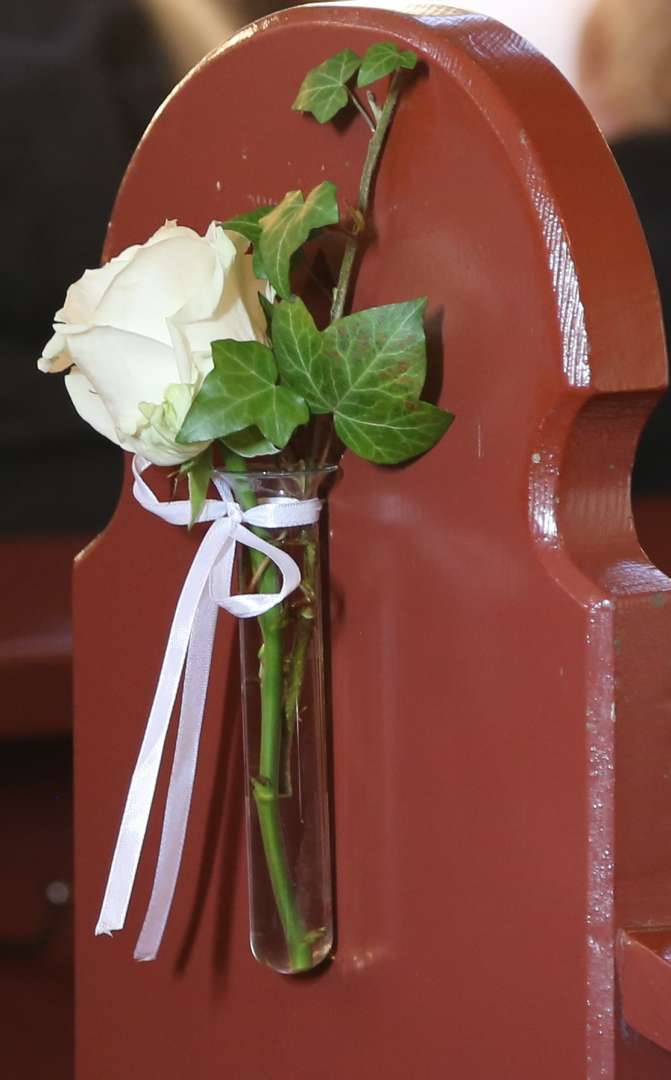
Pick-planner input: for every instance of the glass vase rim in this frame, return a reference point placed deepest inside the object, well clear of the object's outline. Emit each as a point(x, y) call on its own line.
point(276, 474)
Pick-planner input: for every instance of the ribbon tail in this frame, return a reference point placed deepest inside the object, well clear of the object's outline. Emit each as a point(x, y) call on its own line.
point(143, 782)
point(140, 795)
point(182, 777)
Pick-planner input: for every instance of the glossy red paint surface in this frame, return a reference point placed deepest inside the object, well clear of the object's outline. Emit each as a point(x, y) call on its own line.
point(499, 665)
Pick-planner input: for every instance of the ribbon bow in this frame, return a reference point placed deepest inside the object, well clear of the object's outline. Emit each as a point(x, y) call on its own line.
point(206, 588)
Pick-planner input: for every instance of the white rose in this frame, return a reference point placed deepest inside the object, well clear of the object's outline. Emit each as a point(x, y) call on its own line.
point(135, 334)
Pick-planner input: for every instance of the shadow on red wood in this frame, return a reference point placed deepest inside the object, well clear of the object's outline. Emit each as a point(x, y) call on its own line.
point(644, 967)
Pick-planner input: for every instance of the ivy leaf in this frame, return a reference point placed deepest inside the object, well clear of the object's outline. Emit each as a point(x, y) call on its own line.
point(269, 311)
point(249, 226)
point(377, 362)
point(289, 225)
point(380, 351)
point(299, 351)
point(241, 392)
point(323, 91)
point(249, 443)
point(377, 352)
point(390, 433)
point(368, 369)
point(198, 471)
point(382, 59)
point(259, 269)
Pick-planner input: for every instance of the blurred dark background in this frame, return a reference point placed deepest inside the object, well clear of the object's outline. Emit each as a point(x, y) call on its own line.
point(79, 81)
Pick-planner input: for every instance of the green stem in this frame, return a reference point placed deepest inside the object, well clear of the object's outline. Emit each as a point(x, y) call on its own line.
point(369, 166)
point(292, 697)
point(359, 107)
point(293, 687)
point(265, 788)
point(295, 931)
point(341, 291)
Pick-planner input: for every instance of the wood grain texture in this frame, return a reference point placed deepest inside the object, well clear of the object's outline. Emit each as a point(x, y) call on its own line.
point(500, 693)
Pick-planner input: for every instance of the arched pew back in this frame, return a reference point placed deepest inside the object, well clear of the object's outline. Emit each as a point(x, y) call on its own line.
point(500, 676)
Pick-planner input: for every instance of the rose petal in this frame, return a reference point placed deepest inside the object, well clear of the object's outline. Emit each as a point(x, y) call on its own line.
point(157, 284)
point(89, 404)
point(139, 332)
point(203, 302)
point(221, 240)
point(157, 450)
point(169, 229)
point(55, 355)
point(182, 350)
point(146, 441)
point(238, 314)
point(124, 369)
point(83, 296)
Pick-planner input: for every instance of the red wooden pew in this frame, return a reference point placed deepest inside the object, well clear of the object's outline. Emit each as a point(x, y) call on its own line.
point(500, 674)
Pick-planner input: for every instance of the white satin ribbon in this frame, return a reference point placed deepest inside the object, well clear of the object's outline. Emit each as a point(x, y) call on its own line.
point(207, 586)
